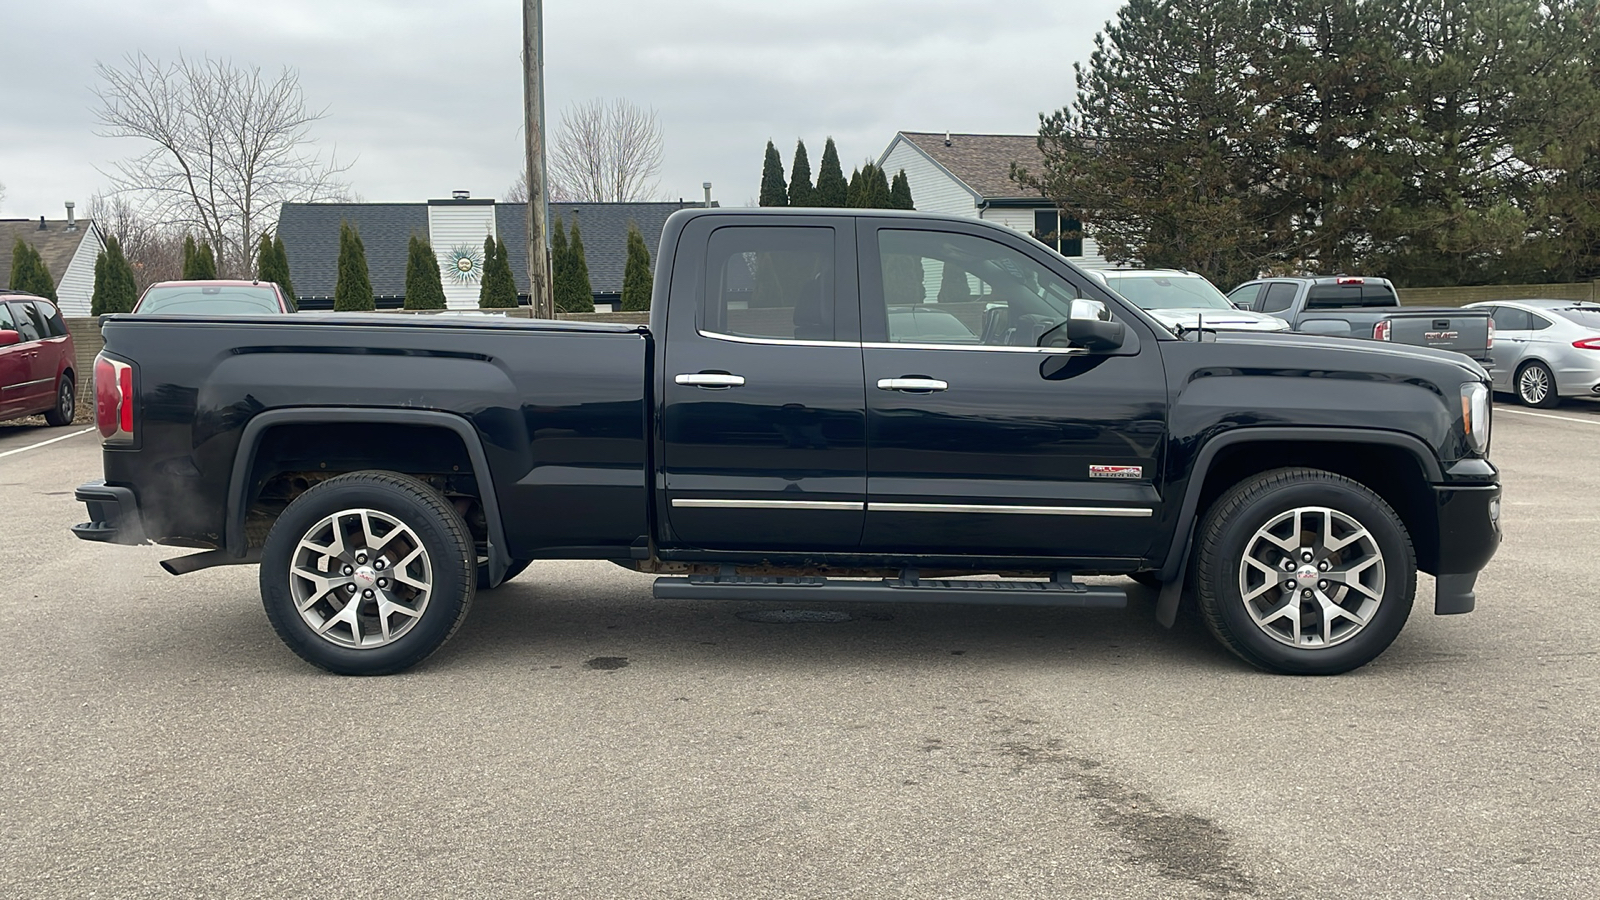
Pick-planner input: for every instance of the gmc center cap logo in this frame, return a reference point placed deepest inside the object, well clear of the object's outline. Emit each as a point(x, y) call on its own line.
point(1127, 472)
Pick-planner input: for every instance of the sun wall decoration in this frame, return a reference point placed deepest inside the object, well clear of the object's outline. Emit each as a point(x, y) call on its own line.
point(466, 263)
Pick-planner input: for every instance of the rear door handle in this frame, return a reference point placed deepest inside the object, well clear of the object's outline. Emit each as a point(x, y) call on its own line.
point(912, 384)
point(713, 380)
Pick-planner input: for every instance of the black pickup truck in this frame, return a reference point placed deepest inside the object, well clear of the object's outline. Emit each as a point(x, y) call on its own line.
point(826, 405)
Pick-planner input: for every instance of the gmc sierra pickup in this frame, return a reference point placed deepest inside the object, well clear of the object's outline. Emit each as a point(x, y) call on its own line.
point(826, 405)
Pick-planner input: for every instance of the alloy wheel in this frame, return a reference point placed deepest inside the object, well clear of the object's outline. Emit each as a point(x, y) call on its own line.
point(360, 578)
point(1534, 385)
point(1312, 577)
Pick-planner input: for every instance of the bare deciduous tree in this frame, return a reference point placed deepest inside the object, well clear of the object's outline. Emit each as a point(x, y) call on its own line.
point(555, 192)
point(230, 146)
point(607, 151)
point(155, 251)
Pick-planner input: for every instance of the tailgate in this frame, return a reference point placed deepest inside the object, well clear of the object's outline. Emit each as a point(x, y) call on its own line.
point(1462, 330)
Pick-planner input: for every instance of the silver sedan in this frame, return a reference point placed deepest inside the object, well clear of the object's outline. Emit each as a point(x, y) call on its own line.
point(1545, 349)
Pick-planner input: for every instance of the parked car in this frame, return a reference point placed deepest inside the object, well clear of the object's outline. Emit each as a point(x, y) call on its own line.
point(37, 360)
point(1180, 299)
point(213, 298)
point(1362, 307)
point(783, 420)
point(1545, 349)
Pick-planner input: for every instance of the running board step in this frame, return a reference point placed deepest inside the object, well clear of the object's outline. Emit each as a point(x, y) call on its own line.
point(908, 588)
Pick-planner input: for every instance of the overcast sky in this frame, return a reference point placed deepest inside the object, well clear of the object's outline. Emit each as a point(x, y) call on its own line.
point(426, 95)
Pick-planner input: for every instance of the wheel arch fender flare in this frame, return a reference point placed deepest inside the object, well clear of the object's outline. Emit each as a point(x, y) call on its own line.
point(1173, 566)
point(245, 456)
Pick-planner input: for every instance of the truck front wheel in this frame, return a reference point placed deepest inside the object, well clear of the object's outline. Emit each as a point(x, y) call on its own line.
point(368, 573)
point(1304, 572)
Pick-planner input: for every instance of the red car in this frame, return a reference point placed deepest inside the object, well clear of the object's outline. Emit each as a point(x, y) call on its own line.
point(214, 298)
point(37, 357)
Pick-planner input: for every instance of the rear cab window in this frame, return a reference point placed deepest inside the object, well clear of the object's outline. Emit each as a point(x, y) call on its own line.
point(208, 300)
point(1350, 296)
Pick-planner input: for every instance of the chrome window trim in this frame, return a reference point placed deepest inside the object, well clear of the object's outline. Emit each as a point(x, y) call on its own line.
point(992, 348)
point(1002, 509)
point(784, 342)
point(695, 503)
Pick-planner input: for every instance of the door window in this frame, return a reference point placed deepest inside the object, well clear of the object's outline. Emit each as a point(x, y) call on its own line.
point(50, 319)
point(1507, 318)
point(1277, 297)
point(1537, 322)
point(6, 322)
point(957, 289)
point(23, 315)
point(774, 283)
point(1246, 296)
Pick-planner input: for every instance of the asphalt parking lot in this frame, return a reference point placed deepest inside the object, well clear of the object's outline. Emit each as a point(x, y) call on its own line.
point(577, 739)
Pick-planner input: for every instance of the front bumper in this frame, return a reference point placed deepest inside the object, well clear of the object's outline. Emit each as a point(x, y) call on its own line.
point(1469, 535)
point(113, 514)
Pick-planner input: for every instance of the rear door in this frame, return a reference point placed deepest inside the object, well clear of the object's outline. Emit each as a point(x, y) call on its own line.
point(980, 442)
point(1513, 328)
point(55, 348)
point(764, 435)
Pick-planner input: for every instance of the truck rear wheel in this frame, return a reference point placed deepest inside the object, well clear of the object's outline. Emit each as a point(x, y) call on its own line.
point(368, 573)
point(1304, 572)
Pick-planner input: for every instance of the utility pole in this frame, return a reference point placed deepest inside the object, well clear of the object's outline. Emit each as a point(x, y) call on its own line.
point(533, 114)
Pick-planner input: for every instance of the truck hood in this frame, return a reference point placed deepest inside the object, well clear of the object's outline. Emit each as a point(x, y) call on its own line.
point(1363, 355)
point(1218, 319)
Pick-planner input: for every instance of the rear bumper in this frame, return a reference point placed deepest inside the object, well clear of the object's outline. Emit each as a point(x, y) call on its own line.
point(113, 514)
point(1469, 535)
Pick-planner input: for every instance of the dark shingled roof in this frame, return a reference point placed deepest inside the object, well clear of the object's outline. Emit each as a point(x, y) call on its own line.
point(983, 161)
point(56, 245)
point(605, 236)
point(310, 233)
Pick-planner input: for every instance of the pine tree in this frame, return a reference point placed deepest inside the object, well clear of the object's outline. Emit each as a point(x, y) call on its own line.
point(353, 291)
point(772, 190)
point(122, 290)
point(266, 260)
point(636, 283)
point(560, 266)
point(582, 293)
point(29, 274)
point(424, 286)
point(855, 194)
point(205, 264)
point(287, 284)
point(97, 300)
point(188, 257)
point(499, 287)
point(800, 190)
point(876, 188)
point(831, 188)
point(900, 192)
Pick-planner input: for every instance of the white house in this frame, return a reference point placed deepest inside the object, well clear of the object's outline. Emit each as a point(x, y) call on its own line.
point(970, 175)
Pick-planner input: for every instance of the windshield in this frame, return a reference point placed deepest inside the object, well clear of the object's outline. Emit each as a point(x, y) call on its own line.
point(1168, 291)
point(211, 300)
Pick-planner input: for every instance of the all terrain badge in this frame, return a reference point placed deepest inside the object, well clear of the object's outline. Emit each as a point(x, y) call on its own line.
point(1126, 472)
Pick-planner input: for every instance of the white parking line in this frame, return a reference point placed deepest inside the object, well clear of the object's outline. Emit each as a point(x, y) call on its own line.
point(1522, 412)
point(44, 443)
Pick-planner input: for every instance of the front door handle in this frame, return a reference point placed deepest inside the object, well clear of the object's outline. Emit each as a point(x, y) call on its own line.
point(912, 384)
point(712, 380)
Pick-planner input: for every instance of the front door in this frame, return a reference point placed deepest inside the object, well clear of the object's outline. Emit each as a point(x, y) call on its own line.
point(980, 442)
point(764, 435)
point(15, 368)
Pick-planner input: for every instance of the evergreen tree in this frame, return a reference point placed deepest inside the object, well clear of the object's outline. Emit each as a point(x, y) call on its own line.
point(561, 266)
point(876, 188)
point(122, 290)
point(353, 291)
point(582, 292)
point(203, 265)
point(636, 282)
point(800, 189)
point(900, 192)
point(855, 194)
point(97, 300)
point(287, 284)
point(29, 274)
point(772, 190)
point(831, 188)
point(188, 257)
point(266, 260)
point(424, 287)
point(499, 287)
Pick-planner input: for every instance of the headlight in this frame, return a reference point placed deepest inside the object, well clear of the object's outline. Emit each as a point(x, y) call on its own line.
point(1475, 415)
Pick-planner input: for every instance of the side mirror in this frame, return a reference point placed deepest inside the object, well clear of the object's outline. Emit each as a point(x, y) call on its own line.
point(1088, 325)
point(7, 338)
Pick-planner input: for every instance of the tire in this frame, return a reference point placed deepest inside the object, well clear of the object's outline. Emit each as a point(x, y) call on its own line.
point(1361, 564)
point(66, 402)
point(512, 571)
point(1536, 386)
point(397, 622)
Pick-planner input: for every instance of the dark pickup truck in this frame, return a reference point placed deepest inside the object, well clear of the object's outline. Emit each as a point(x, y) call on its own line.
point(826, 405)
point(1353, 306)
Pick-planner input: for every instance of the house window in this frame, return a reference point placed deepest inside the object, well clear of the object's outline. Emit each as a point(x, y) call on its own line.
point(1062, 234)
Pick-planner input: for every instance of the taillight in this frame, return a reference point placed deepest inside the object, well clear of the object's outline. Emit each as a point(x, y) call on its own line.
point(1380, 331)
point(113, 400)
point(1588, 344)
point(1491, 334)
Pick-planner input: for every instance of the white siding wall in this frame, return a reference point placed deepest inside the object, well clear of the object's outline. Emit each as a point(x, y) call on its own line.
point(1022, 220)
point(451, 226)
point(75, 292)
point(932, 189)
